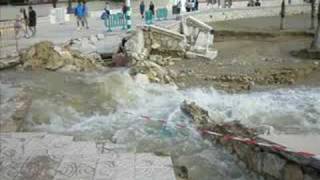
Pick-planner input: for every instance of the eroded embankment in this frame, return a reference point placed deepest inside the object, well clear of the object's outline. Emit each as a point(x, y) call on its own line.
point(250, 60)
point(270, 160)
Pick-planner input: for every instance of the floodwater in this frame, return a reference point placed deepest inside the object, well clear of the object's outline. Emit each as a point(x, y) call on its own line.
point(111, 106)
point(147, 118)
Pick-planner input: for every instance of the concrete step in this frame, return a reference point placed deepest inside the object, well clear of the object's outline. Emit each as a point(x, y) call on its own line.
point(46, 156)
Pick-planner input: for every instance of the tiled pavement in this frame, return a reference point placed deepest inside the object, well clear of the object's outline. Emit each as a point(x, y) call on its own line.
point(40, 156)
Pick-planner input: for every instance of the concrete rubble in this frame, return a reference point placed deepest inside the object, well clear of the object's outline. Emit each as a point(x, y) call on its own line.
point(46, 55)
point(151, 49)
point(270, 163)
point(48, 156)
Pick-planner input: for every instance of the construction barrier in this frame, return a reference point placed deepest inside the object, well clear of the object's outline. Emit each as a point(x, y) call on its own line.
point(9, 31)
point(148, 16)
point(59, 16)
point(114, 21)
point(162, 14)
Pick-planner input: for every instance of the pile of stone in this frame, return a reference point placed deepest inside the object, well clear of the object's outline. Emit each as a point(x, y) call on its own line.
point(46, 55)
point(87, 45)
point(266, 161)
point(163, 61)
point(150, 48)
point(153, 71)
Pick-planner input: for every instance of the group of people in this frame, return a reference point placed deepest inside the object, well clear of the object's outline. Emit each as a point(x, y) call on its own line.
point(81, 12)
point(228, 3)
point(253, 3)
point(142, 8)
point(26, 22)
point(191, 5)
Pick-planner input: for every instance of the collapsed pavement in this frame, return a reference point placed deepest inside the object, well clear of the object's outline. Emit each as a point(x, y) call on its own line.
point(269, 160)
point(150, 48)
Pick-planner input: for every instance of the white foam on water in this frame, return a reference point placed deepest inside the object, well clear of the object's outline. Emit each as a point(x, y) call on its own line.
point(124, 102)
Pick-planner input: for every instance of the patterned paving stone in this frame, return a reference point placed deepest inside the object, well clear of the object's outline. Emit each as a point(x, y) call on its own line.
point(53, 157)
point(38, 168)
point(116, 166)
point(77, 167)
point(147, 160)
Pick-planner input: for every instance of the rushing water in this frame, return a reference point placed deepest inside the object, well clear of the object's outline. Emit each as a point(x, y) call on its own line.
point(112, 106)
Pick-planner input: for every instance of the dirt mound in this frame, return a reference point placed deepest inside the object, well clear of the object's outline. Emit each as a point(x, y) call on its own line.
point(45, 55)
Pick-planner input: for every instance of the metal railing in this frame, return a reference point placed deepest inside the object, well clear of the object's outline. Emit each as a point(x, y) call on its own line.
point(9, 41)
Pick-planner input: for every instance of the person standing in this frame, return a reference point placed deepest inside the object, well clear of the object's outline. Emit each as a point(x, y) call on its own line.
point(86, 14)
point(32, 21)
point(24, 19)
point(124, 12)
point(179, 6)
point(79, 13)
point(188, 5)
point(54, 3)
point(124, 9)
point(151, 8)
point(106, 13)
point(142, 8)
point(196, 5)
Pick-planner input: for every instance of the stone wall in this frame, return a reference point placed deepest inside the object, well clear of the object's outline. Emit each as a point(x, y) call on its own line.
point(149, 40)
point(164, 41)
point(240, 13)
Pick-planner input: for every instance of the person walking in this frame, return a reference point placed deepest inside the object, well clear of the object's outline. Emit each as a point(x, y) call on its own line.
point(124, 12)
point(86, 14)
point(32, 21)
point(151, 8)
point(54, 3)
point(24, 20)
point(188, 5)
point(79, 13)
point(142, 8)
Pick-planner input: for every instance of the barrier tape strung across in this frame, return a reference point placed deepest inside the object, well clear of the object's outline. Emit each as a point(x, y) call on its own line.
point(148, 118)
point(275, 147)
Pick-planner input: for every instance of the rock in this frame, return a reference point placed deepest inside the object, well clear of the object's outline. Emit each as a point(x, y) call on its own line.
point(182, 172)
point(154, 72)
point(155, 46)
point(45, 55)
point(292, 172)
point(100, 37)
point(156, 58)
point(69, 68)
point(199, 115)
point(119, 60)
point(142, 78)
point(93, 39)
point(273, 165)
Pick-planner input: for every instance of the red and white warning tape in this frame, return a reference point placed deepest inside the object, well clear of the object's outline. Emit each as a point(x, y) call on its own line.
point(148, 118)
point(273, 146)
